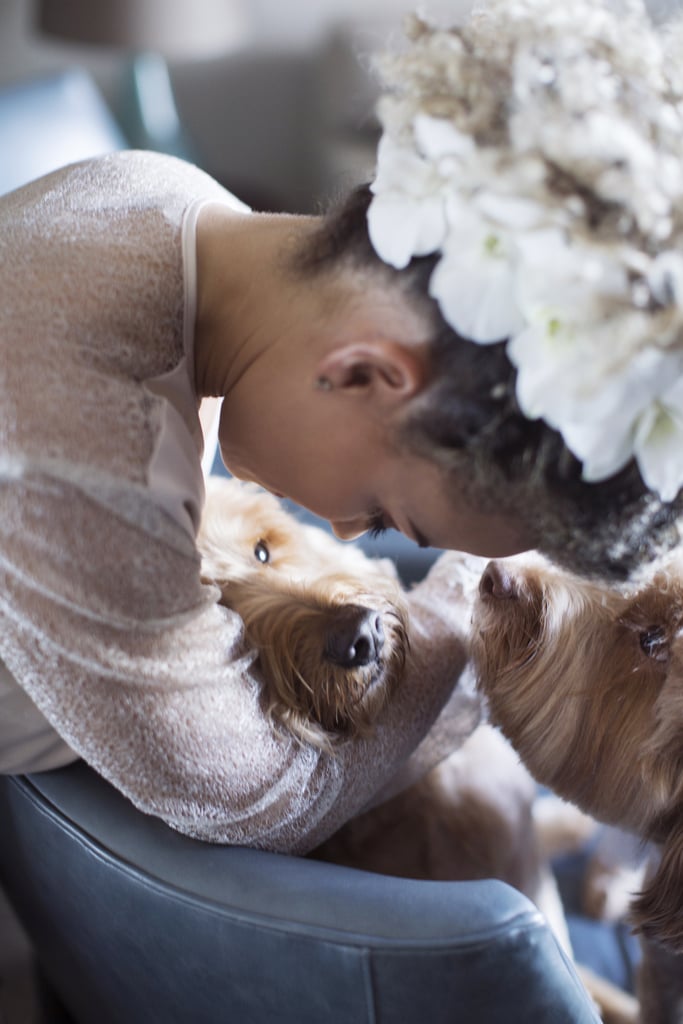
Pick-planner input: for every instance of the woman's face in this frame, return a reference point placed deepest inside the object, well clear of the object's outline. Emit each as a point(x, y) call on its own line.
point(340, 467)
point(330, 449)
point(412, 496)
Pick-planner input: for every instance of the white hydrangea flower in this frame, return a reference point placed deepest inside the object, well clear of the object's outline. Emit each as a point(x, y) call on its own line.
point(573, 357)
point(407, 214)
point(587, 366)
point(658, 443)
point(551, 186)
point(474, 288)
point(556, 290)
point(474, 281)
point(438, 139)
point(623, 419)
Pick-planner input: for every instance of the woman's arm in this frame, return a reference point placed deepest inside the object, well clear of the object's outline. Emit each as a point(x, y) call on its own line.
point(151, 681)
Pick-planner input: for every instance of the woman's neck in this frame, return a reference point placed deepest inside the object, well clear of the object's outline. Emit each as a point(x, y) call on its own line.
point(243, 291)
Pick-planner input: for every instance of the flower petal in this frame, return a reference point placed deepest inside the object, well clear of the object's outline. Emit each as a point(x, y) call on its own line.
point(400, 229)
point(392, 233)
point(659, 442)
point(432, 226)
point(476, 297)
point(538, 377)
point(603, 447)
point(436, 137)
point(659, 451)
point(512, 211)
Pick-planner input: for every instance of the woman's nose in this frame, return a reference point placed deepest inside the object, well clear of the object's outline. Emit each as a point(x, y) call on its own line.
point(349, 529)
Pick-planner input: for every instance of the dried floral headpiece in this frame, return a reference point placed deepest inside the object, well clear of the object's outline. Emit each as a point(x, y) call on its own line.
point(539, 150)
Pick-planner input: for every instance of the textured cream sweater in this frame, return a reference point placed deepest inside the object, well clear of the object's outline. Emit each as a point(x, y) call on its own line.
point(107, 634)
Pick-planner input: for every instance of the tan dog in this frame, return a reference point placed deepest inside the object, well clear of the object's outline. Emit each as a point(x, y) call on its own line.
point(586, 680)
point(329, 623)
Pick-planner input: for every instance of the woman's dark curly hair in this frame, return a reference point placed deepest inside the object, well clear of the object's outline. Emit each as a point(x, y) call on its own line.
point(467, 419)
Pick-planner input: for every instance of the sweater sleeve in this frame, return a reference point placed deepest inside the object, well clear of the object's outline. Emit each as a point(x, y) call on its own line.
point(148, 679)
point(104, 621)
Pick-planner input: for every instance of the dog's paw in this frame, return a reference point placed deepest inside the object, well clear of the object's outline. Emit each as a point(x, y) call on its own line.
point(458, 572)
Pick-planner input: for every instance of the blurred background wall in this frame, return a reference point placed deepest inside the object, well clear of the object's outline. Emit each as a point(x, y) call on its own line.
point(284, 118)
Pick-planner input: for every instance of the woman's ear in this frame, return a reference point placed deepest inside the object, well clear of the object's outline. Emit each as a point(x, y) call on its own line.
point(390, 371)
point(658, 911)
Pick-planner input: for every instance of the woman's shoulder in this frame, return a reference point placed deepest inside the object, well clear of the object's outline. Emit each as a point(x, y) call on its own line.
point(92, 273)
point(133, 182)
point(145, 178)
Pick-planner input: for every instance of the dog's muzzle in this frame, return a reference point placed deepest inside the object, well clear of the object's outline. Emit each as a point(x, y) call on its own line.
point(355, 638)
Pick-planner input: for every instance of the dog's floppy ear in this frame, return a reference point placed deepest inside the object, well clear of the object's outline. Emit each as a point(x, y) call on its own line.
point(658, 911)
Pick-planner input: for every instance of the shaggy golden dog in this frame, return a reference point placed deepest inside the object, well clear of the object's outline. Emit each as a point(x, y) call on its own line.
point(586, 681)
point(329, 624)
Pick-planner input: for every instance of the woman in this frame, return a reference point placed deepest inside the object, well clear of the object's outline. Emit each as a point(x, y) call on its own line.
point(133, 287)
point(508, 371)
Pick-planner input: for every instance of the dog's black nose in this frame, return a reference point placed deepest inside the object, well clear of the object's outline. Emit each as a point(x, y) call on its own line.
point(497, 582)
point(355, 638)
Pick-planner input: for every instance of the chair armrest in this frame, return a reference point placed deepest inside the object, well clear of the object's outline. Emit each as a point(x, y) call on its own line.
point(133, 922)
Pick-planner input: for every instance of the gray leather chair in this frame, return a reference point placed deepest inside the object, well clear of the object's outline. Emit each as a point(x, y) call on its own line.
point(132, 922)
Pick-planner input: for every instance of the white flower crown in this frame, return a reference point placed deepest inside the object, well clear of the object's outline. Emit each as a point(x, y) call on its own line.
point(539, 150)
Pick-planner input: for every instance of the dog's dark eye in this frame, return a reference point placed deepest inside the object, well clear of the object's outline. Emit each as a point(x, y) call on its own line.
point(261, 552)
point(653, 643)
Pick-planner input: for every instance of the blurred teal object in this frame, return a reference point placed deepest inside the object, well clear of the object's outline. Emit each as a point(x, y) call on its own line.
point(48, 122)
point(148, 108)
point(148, 32)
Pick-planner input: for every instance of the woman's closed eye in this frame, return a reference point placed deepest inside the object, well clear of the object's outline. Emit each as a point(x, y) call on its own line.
point(377, 524)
